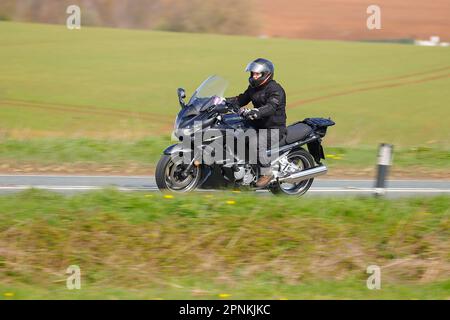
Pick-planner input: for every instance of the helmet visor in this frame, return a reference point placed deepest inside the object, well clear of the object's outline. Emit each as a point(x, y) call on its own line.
point(256, 67)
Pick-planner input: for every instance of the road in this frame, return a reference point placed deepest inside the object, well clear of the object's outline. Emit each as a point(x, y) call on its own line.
point(74, 184)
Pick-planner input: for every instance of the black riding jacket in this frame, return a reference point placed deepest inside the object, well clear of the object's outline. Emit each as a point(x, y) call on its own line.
point(270, 99)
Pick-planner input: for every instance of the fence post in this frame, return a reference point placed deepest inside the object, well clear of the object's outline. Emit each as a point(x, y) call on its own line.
point(385, 155)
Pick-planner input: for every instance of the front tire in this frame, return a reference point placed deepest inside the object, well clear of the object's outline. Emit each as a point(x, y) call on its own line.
point(303, 160)
point(169, 178)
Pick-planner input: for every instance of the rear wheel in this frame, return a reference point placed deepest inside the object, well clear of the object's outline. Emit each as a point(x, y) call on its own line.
point(303, 160)
point(170, 175)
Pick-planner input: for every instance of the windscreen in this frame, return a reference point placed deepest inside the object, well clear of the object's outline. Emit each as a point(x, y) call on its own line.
point(213, 86)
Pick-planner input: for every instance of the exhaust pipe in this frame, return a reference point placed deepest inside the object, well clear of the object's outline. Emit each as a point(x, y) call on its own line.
point(305, 175)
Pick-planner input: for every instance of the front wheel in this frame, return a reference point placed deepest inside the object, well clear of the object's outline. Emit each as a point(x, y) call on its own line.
point(170, 175)
point(303, 160)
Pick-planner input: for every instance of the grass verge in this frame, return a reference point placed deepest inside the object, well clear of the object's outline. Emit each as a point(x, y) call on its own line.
point(138, 245)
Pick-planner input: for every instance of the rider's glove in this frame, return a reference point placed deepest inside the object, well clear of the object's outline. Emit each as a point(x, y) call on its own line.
point(232, 104)
point(243, 111)
point(253, 114)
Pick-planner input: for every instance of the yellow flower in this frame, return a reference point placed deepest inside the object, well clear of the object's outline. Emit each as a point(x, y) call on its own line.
point(149, 196)
point(9, 294)
point(224, 295)
point(168, 196)
point(236, 191)
point(231, 202)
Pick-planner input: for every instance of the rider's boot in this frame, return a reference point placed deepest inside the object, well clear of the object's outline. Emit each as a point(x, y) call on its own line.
point(265, 178)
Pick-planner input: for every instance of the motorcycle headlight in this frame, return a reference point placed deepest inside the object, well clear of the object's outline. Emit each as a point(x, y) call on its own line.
point(187, 131)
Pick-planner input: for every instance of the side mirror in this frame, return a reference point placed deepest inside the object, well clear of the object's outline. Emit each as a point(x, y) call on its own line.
point(181, 96)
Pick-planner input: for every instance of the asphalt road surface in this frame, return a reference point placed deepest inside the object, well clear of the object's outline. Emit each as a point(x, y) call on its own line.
point(74, 184)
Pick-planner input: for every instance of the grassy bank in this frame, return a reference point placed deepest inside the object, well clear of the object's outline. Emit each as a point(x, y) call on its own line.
point(222, 245)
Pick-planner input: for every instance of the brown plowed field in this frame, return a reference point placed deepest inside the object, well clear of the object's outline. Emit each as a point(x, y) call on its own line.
point(346, 19)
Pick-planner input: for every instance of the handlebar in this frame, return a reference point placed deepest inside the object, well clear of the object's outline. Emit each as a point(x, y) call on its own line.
point(221, 108)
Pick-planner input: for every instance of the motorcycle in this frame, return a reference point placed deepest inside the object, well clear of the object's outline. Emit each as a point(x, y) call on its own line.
point(298, 160)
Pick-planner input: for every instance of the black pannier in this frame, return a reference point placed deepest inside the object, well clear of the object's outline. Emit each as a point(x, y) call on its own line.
point(319, 125)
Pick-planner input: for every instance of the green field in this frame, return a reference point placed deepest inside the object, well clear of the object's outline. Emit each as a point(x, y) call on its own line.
point(222, 245)
point(120, 85)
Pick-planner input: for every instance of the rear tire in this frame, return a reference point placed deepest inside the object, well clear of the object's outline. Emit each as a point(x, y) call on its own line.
point(303, 160)
point(168, 176)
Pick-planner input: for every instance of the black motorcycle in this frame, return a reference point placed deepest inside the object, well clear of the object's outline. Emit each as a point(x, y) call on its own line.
point(298, 160)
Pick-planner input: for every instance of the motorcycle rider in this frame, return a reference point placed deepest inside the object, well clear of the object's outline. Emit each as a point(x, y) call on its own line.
point(269, 112)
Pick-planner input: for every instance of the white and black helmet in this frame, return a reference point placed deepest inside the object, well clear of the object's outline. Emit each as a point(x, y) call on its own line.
point(263, 66)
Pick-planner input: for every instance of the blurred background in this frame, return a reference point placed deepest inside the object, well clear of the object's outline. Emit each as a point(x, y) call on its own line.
point(103, 98)
point(320, 19)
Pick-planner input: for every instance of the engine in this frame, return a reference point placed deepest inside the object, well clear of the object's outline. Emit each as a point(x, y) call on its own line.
point(244, 174)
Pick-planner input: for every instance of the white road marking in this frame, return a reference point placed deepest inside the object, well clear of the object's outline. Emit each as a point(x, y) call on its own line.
point(313, 189)
point(70, 176)
point(73, 188)
point(417, 190)
point(323, 179)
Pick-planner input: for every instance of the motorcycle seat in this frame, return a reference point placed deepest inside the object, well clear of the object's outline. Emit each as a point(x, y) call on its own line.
point(296, 132)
